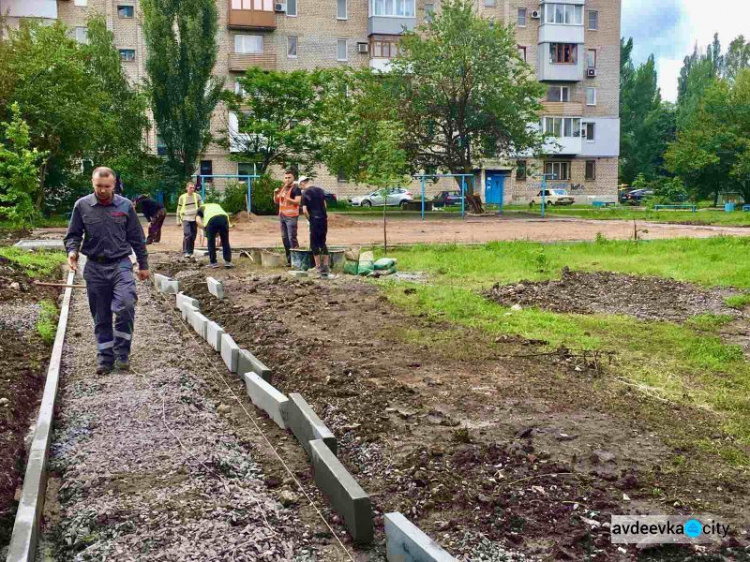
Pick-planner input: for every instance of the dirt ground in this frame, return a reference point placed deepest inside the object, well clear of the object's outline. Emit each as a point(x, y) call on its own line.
point(491, 449)
point(345, 230)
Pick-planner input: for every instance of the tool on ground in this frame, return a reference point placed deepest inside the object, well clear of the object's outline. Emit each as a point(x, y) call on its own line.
point(63, 285)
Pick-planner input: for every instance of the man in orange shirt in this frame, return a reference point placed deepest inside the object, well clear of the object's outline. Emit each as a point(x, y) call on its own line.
point(288, 198)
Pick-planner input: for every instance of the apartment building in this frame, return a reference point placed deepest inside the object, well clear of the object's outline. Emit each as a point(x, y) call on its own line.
point(573, 44)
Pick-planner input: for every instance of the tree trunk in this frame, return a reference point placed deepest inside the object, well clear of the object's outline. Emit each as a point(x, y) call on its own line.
point(472, 199)
point(385, 231)
point(40, 196)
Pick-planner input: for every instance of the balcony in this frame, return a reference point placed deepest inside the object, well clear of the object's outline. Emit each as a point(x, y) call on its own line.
point(564, 146)
point(390, 25)
point(563, 109)
point(240, 62)
point(561, 33)
point(251, 19)
point(559, 72)
point(45, 9)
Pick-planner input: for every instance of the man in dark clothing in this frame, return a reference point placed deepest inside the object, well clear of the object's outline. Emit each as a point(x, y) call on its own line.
point(314, 207)
point(109, 229)
point(155, 215)
point(215, 221)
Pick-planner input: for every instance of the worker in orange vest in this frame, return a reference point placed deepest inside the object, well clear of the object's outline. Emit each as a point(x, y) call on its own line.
point(288, 197)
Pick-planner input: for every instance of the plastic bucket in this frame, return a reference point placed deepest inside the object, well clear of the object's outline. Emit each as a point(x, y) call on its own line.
point(272, 259)
point(729, 207)
point(302, 259)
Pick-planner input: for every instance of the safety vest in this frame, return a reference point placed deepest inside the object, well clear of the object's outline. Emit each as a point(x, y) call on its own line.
point(286, 207)
point(183, 202)
point(211, 210)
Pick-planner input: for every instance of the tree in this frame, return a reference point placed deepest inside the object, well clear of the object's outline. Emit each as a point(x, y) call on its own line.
point(463, 92)
point(737, 57)
point(181, 41)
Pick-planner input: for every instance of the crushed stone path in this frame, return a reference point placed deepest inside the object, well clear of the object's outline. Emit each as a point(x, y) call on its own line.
point(147, 467)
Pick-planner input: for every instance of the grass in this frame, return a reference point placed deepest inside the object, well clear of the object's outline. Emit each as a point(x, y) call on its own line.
point(45, 222)
point(37, 264)
point(688, 363)
point(46, 324)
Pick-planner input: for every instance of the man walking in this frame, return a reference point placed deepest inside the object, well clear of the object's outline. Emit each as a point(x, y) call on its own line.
point(155, 214)
point(109, 229)
point(314, 207)
point(187, 210)
point(215, 221)
point(288, 198)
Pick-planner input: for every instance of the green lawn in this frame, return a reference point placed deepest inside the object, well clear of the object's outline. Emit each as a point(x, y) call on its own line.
point(36, 264)
point(687, 364)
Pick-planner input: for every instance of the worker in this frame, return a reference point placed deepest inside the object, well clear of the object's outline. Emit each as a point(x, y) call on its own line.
point(288, 197)
point(108, 226)
point(215, 221)
point(187, 209)
point(154, 213)
point(314, 207)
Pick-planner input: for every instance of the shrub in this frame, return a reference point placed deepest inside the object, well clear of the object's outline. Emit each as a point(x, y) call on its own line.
point(262, 203)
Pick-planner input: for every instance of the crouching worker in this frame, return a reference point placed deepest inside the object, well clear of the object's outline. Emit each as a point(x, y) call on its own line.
point(104, 227)
point(215, 221)
point(314, 207)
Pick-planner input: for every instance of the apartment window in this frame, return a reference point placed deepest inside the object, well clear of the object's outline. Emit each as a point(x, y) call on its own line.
point(245, 169)
point(563, 53)
point(82, 34)
point(521, 17)
point(260, 5)
point(522, 52)
point(591, 58)
point(291, 8)
point(589, 132)
point(82, 3)
point(593, 20)
point(566, 14)
point(341, 50)
point(248, 44)
point(127, 55)
point(291, 47)
point(126, 12)
point(341, 178)
point(161, 147)
point(384, 47)
point(590, 169)
point(391, 8)
point(521, 170)
point(558, 93)
point(590, 96)
point(207, 169)
point(341, 10)
point(558, 170)
point(429, 12)
point(562, 127)
point(489, 3)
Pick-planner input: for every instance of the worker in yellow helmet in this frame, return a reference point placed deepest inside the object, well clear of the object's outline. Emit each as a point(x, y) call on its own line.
point(187, 209)
point(215, 221)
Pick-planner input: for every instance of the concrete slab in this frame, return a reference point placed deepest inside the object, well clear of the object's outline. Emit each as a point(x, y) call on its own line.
point(213, 335)
point(343, 492)
point(27, 244)
point(215, 287)
point(230, 352)
point(250, 363)
point(186, 311)
point(160, 281)
point(405, 542)
point(183, 299)
point(266, 397)
point(170, 286)
point(199, 323)
point(306, 425)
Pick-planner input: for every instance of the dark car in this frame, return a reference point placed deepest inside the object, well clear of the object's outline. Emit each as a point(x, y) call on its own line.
point(636, 195)
point(331, 198)
point(447, 199)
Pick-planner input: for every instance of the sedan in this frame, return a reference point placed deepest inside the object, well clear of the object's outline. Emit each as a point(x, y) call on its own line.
point(447, 199)
point(553, 197)
point(396, 197)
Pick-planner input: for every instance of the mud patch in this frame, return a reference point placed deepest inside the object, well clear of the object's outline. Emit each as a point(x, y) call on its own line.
point(646, 298)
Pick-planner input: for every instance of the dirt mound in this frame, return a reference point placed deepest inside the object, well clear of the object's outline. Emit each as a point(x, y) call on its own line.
point(646, 298)
point(340, 221)
point(243, 217)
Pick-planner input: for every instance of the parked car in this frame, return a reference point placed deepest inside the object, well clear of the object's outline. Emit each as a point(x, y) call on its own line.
point(447, 199)
point(636, 195)
point(396, 197)
point(553, 197)
point(330, 198)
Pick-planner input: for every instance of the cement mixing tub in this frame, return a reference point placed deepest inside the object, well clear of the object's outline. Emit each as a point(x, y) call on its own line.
point(272, 259)
point(304, 260)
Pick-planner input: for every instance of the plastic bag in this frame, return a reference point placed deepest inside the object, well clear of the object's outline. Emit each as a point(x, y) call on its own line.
point(351, 267)
point(384, 263)
point(366, 263)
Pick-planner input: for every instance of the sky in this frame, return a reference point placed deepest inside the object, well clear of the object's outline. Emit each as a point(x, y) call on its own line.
point(669, 29)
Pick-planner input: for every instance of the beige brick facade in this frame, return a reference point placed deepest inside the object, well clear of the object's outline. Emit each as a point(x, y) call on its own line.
point(318, 30)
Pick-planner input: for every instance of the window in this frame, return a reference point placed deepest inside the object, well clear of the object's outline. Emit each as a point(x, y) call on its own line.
point(245, 169)
point(341, 50)
point(522, 52)
point(559, 170)
point(248, 44)
point(589, 132)
point(82, 3)
point(558, 93)
point(82, 34)
point(384, 47)
point(567, 14)
point(521, 170)
point(341, 11)
point(238, 89)
point(161, 148)
point(207, 168)
point(591, 58)
point(291, 7)
point(562, 127)
point(489, 3)
point(127, 55)
point(593, 20)
point(291, 47)
point(521, 17)
point(563, 53)
point(590, 96)
point(429, 12)
point(590, 169)
point(399, 8)
point(125, 12)
point(341, 178)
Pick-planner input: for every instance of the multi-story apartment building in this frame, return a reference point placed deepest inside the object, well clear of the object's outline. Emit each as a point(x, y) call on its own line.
point(573, 44)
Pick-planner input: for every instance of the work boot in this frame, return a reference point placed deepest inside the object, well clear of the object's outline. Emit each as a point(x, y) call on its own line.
point(229, 265)
point(122, 365)
point(212, 265)
point(103, 369)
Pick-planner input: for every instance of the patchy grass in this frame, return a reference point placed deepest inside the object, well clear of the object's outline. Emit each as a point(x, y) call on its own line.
point(46, 325)
point(738, 301)
point(37, 264)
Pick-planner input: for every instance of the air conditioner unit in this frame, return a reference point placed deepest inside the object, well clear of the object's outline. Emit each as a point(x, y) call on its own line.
point(591, 72)
point(280, 7)
point(536, 14)
point(363, 48)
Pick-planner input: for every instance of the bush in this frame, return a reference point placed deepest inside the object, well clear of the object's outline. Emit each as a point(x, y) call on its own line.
point(670, 190)
point(233, 200)
point(263, 189)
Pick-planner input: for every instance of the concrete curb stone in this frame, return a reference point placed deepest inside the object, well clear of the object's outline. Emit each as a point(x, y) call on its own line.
point(266, 397)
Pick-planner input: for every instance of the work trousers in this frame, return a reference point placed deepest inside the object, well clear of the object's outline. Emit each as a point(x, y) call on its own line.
point(154, 227)
point(289, 235)
point(318, 234)
point(218, 226)
point(111, 291)
point(189, 233)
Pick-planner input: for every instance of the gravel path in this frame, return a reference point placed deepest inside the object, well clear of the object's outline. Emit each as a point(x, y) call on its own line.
point(150, 469)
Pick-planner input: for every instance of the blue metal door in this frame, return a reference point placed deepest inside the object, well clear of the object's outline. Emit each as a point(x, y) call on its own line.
point(494, 188)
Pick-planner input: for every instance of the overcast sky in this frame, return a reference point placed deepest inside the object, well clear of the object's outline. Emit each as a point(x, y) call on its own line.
point(670, 28)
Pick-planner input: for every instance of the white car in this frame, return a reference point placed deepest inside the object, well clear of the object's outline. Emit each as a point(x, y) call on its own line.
point(553, 197)
point(397, 197)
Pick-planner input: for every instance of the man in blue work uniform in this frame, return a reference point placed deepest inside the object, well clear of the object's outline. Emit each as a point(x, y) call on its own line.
point(112, 232)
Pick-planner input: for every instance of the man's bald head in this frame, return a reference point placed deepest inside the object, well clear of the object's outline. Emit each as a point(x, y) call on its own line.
point(103, 180)
point(102, 172)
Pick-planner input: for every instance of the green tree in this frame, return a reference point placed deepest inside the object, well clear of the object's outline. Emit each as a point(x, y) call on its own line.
point(737, 57)
point(181, 41)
